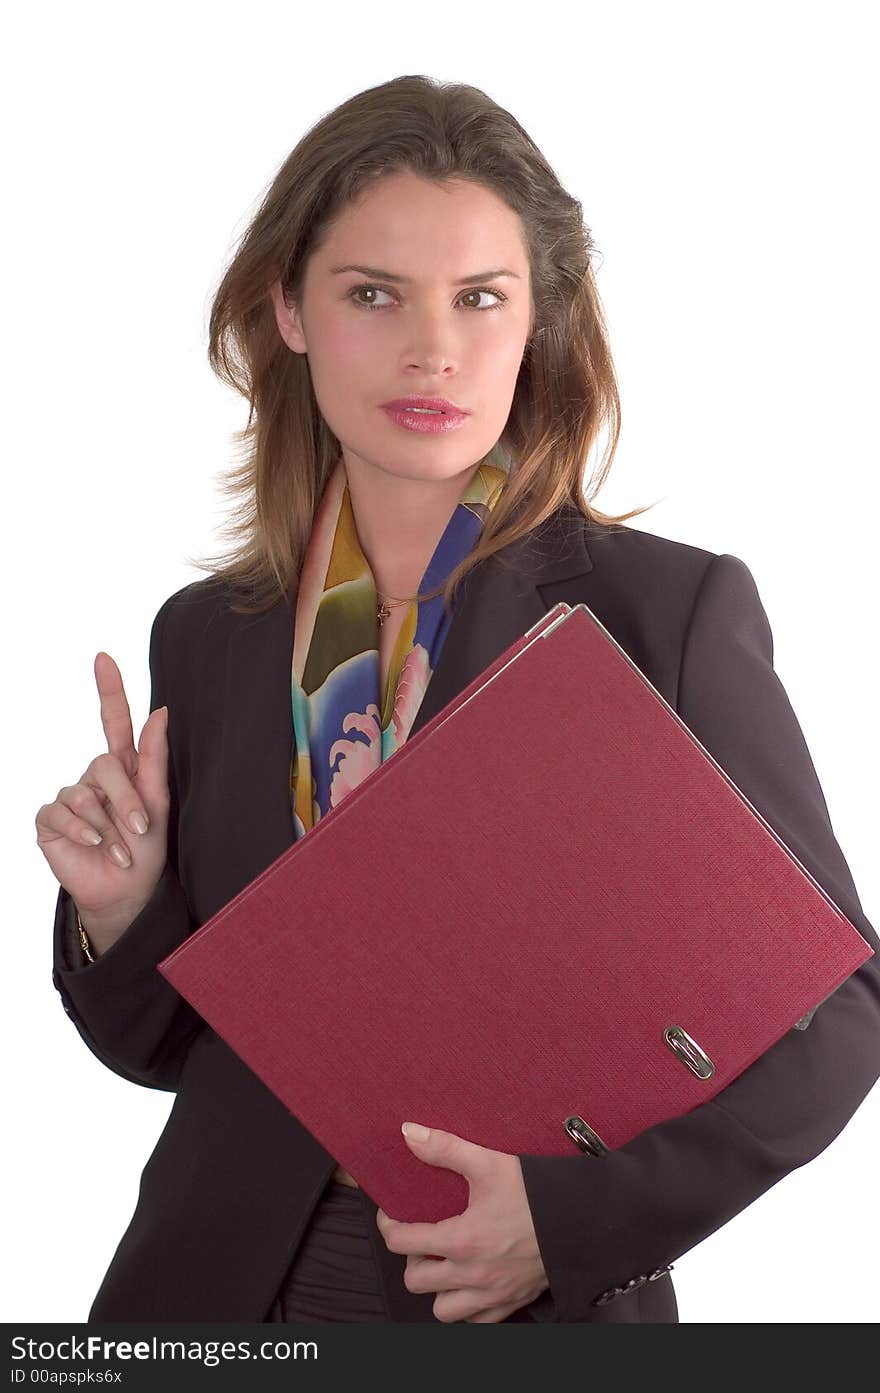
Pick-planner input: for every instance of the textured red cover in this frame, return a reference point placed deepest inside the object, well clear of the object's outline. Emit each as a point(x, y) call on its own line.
point(493, 931)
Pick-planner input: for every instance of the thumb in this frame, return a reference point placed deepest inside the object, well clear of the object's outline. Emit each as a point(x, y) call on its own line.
point(446, 1149)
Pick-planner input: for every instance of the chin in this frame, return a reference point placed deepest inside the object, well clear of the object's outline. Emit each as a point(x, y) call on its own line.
point(430, 464)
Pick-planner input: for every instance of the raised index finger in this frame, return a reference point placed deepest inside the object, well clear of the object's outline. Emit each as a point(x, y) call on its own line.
point(115, 714)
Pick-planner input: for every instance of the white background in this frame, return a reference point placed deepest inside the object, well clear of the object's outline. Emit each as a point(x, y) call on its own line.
point(723, 156)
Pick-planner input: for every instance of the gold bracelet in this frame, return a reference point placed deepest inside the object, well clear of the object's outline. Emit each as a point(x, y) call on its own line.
point(84, 940)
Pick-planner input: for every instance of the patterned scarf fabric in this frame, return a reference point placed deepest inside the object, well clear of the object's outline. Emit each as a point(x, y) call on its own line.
point(339, 735)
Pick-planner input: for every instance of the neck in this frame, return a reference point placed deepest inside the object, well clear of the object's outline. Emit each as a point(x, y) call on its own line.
point(400, 521)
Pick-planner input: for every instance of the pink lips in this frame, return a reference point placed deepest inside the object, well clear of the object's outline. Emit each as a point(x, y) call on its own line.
point(448, 416)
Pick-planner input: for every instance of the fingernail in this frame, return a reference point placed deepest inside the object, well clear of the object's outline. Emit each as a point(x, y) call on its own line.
point(138, 823)
point(415, 1131)
point(120, 855)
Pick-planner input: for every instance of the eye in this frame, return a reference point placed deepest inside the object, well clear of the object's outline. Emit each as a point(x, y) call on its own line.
point(485, 291)
point(378, 289)
point(363, 304)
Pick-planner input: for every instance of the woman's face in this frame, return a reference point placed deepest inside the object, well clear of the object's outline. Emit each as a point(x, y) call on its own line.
point(443, 329)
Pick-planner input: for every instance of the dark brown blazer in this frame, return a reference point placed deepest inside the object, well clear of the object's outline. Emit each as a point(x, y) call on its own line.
point(229, 1188)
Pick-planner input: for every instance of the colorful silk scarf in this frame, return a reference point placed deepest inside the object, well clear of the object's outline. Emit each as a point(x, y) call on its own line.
point(339, 735)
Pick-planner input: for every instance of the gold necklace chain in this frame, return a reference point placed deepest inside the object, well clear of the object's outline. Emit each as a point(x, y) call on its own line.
point(383, 608)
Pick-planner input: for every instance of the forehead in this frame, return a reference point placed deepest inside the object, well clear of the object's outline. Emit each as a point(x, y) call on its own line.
point(421, 229)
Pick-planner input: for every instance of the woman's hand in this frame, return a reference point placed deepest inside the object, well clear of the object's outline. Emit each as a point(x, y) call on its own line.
point(483, 1263)
point(107, 867)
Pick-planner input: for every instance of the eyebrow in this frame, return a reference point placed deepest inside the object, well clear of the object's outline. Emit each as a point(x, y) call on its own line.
point(407, 280)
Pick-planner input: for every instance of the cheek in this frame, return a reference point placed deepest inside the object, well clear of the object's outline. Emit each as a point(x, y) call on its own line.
point(497, 366)
point(342, 363)
point(500, 348)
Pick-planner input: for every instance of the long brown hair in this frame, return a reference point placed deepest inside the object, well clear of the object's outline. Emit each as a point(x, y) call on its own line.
point(566, 390)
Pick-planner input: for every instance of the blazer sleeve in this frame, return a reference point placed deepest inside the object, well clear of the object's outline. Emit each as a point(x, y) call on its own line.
point(607, 1224)
point(129, 1016)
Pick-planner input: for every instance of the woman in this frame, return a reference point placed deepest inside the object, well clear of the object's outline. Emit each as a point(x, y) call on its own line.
point(415, 255)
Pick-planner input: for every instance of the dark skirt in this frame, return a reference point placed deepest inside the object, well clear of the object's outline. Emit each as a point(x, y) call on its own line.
point(334, 1274)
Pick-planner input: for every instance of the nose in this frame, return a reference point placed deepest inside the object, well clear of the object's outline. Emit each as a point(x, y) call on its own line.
point(429, 365)
point(432, 344)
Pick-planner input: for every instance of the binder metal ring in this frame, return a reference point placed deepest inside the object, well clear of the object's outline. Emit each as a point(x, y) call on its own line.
point(689, 1051)
point(582, 1133)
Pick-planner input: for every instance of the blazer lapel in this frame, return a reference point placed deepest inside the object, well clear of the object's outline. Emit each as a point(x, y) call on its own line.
point(498, 601)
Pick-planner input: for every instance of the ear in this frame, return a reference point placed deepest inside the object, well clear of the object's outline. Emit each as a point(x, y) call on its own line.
point(288, 320)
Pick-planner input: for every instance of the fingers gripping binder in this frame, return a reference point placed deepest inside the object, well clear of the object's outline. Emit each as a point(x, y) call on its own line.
point(548, 922)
